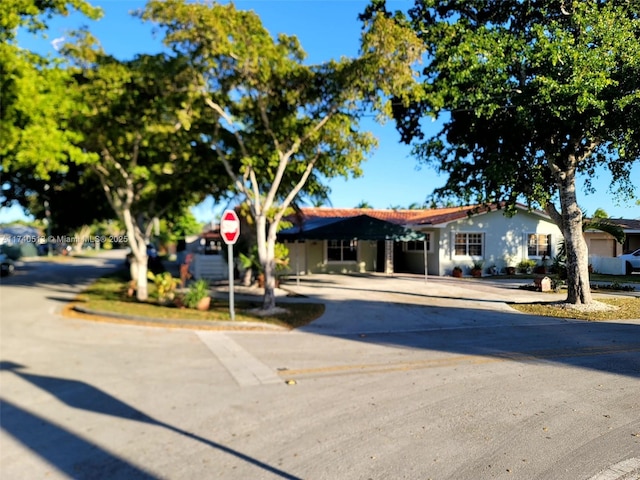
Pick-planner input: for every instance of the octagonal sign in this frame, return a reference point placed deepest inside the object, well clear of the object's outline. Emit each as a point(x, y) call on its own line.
point(230, 227)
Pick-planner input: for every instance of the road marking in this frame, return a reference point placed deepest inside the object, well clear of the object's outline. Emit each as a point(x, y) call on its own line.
point(246, 369)
point(627, 470)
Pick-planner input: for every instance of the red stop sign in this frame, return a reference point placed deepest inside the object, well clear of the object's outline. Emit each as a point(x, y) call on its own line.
point(230, 227)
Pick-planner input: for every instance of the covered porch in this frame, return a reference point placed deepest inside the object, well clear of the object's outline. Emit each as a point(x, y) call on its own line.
point(353, 244)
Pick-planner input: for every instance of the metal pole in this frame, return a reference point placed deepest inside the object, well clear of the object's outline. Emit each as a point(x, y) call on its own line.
point(232, 312)
point(297, 268)
point(426, 270)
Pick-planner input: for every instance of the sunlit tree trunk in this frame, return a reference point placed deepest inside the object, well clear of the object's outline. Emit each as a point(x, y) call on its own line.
point(266, 239)
point(569, 220)
point(138, 245)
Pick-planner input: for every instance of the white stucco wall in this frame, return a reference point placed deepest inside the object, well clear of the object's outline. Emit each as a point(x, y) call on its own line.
point(504, 244)
point(504, 240)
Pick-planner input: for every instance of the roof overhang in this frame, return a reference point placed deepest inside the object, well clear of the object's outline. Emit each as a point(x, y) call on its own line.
point(361, 227)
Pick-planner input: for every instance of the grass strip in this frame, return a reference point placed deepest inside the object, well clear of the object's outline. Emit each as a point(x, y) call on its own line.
point(625, 308)
point(108, 294)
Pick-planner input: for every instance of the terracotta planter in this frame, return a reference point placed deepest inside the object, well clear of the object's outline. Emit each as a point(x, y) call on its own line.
point(511, 270)
point(204, 304)
point(456, 273)
point(476, 272)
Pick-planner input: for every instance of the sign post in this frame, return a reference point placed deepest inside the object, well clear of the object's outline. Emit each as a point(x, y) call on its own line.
point(230, 231)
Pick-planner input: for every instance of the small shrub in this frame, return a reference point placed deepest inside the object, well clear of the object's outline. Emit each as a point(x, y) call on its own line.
point(477, 265)
point(476, 268)
point(197, 291)
point(526, 266)
point(614, 286)
point(165, 286)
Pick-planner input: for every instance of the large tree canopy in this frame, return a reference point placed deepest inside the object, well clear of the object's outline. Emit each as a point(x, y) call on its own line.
point(531, 93)
point(34, 99)
point(281, 126)
point(127, 127)
point(137, 118)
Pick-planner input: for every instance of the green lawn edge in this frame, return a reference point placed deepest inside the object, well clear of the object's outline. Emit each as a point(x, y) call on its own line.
point(626, 308)
point(108, 295)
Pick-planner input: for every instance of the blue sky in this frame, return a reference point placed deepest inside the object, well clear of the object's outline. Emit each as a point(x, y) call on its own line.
point(326, 29)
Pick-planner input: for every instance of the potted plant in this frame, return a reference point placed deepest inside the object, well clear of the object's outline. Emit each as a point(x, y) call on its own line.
point(476, 269)
point(198, 296)
point(542, 268)
point(510, 269)
point(456, 272)
point(526, 266)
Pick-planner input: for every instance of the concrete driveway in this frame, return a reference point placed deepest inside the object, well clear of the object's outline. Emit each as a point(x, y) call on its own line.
point(399, 379)
point(453, 303)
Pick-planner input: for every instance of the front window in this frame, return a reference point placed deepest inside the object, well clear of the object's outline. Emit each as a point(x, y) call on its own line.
point(469, 244)
point(342, 250)
point(539, 245)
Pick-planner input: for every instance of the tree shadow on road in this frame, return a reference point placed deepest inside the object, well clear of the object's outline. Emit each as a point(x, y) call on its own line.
point(60, 276)
point(67, 450)
point(612, 347)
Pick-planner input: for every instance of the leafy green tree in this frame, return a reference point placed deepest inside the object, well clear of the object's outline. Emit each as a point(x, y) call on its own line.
point(32, 15)
point(530, 93)
point(600, 213)
point(35, 140)
point(416, 206)
point(282, 127)
point(137, 120)
point(179, 226)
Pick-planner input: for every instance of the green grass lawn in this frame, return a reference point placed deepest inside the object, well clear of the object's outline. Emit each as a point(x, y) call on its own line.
point(108, 294)
point(625, 308)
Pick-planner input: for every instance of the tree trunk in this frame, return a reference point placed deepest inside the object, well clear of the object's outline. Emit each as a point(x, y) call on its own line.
point(138, 269)
point(578, 288)
point(266, 252)
point(269, 301)
point(138, 245)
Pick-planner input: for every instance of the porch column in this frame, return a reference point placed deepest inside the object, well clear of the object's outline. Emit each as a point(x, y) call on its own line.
point(388, 257)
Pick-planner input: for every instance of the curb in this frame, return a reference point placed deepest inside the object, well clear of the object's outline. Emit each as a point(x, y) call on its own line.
point(75, 310)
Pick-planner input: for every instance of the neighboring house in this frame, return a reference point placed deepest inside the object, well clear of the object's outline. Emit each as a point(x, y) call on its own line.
point(602, 244)
point(368, 240)
point(604, 249)
point(204, 254)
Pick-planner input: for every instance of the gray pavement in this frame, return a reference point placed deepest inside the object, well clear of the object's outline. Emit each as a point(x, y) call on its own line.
point(399, 379)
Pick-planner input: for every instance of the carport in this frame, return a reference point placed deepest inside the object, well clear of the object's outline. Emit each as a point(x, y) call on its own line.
point(361, 227)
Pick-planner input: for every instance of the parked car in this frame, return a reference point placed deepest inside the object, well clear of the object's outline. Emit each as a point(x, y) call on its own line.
point(631, 261)
point(6, 265)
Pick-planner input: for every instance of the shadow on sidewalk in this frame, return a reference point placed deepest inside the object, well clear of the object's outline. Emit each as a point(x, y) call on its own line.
point(67, 451)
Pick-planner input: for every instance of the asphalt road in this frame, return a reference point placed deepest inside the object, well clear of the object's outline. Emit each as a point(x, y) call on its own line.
point(399, 379)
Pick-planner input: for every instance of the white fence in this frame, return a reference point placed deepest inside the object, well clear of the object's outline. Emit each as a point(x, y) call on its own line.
point(607, 265)
point(209, 267)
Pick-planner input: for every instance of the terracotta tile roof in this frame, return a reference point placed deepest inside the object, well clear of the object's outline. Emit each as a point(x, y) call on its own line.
point(433, 216)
